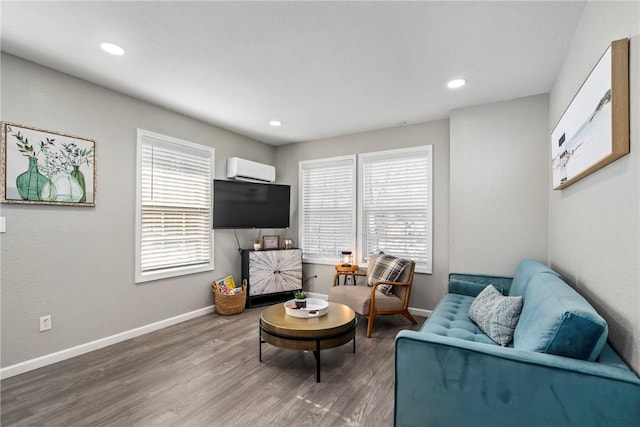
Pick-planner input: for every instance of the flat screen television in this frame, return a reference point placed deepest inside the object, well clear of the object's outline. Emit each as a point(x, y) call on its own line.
point(239, 204)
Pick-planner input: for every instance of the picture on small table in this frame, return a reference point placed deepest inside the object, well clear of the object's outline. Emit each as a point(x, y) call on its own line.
point(270, 242)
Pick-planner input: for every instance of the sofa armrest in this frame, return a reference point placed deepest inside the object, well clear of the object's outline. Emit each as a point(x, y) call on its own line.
point(441, 380)
point(473, 284)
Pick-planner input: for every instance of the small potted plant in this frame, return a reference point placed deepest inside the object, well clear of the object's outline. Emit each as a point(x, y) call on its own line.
point(301, 299)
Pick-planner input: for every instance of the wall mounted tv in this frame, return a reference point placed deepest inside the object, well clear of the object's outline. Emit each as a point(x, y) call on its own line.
point(238, 204)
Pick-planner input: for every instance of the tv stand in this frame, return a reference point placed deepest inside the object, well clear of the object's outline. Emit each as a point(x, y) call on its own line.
point(272, 275)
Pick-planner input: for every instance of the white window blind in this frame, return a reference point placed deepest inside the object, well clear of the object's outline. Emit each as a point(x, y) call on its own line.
point(174, 234)
point(327, 208)
point(395, 205)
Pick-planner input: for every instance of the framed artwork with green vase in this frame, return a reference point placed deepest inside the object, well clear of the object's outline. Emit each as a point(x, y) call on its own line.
point(45, 167)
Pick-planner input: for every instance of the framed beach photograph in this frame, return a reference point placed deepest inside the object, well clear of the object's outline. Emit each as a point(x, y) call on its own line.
point(45, 167)
point(594, 129)
point(271, 242)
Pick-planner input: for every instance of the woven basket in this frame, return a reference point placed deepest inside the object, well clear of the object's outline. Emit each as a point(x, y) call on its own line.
point(230, 304)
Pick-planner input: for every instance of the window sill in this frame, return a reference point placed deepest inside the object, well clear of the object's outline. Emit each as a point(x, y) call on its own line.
point(174, 272)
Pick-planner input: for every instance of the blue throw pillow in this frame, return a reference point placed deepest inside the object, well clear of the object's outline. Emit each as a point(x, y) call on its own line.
point(557, 320)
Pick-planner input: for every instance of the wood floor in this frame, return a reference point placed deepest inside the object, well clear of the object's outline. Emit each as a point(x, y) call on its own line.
point(205, 372)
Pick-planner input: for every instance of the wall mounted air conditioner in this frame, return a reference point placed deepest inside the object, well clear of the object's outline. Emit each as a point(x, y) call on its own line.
point(246, 170)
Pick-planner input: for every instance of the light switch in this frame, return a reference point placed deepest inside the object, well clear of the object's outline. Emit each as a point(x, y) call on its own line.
point(3, 224)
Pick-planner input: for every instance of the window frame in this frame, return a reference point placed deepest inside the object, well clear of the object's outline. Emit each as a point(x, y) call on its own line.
point(326, 260)
point(358, 230)
point(140, 276)
point(361, 257)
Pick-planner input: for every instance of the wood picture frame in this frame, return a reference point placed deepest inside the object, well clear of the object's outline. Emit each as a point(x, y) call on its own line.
point(270, 242)
point(594, 129)
point(40, 166)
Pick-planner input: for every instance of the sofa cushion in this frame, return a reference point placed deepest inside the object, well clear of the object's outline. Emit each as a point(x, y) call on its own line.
point(387, 269)
point(525, 271)
point(495, 314)
point(472, 285)
point(555, 319)
point(450, 318)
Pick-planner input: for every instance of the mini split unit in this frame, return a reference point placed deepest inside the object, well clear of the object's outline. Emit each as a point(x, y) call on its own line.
point(246, 170)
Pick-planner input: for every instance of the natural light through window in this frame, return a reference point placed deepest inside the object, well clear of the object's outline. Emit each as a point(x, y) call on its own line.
point(327, 214)
point(173, 228)
point(394, 205)
point(387, 208)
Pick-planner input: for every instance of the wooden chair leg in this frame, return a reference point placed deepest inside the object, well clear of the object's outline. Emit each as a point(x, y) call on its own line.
point(409, 317)
point(370, 325)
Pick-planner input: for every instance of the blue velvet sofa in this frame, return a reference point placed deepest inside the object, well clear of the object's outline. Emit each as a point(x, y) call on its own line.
point(558, 370)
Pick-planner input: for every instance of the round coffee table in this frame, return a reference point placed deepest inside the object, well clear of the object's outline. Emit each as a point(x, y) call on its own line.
point(334, 329)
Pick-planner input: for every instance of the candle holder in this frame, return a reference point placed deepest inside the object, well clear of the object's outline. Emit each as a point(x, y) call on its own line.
point(346, 258)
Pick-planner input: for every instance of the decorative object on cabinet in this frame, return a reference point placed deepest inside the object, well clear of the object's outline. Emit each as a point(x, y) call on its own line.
point(594, 129)
point(272, 276)
point(257, 244)
point(270, 242)
point(287, 243)
point(45, 167)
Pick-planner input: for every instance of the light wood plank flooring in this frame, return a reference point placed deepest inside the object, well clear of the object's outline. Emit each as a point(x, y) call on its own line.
point(205, 372)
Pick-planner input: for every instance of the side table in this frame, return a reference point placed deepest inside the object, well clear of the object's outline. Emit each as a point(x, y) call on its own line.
point(347, 269)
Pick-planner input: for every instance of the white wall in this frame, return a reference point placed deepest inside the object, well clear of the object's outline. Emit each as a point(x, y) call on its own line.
point(427, 288)
point(77, 264)
point(498, 200)
point(594, 231)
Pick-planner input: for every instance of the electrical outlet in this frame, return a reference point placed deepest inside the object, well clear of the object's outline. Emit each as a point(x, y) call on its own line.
point(45, 323)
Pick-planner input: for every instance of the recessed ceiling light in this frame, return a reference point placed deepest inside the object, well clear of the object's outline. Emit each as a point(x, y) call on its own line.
point(454, 84)
point(112, 48)
point(275, 123)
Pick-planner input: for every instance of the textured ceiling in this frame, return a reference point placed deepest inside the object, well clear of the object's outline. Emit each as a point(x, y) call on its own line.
point(322, 68)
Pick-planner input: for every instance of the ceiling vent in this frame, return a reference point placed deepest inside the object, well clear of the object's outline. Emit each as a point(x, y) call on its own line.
point(246, 170)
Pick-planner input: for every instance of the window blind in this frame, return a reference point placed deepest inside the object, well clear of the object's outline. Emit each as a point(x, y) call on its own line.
point(175, 232)
point(327, 208)
point(395, 206)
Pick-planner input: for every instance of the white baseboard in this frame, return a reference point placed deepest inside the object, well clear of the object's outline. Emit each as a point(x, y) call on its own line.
point(58, 356)
point(420, 312)
point(415, 311)
point(320, 296)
